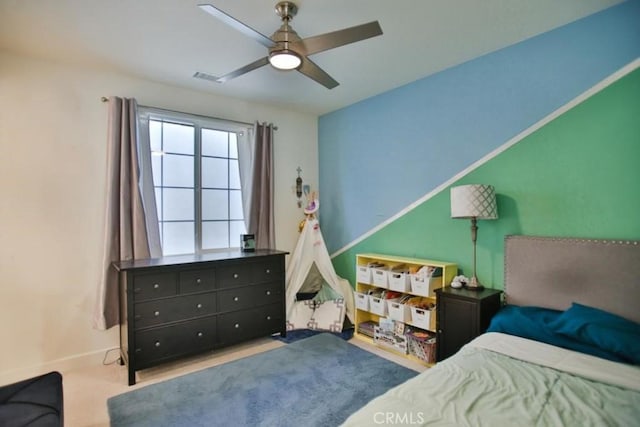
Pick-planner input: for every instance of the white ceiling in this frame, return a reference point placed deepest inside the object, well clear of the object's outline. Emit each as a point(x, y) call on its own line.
point(168, 40)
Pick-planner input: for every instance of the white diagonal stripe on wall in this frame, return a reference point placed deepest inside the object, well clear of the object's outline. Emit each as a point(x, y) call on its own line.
point(603, 84)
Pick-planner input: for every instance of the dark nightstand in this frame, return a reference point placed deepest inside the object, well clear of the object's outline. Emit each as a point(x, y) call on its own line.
point(462, 316)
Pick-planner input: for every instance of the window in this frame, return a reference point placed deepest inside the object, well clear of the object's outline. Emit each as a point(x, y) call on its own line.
point(196, 181)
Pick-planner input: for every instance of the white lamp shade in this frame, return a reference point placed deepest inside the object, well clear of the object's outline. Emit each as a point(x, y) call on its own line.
point(474, 201)
point(284, 60)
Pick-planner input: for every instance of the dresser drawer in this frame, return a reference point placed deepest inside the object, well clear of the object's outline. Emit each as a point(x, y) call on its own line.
point(175, 340)
point(249, 273)
point(154, 285)
point(157, 312)
point(247, 324)
point(249, 296)
point(267, 271)
point(234, 275)
point(270, 319)
point(196, 281)
point(268, 293)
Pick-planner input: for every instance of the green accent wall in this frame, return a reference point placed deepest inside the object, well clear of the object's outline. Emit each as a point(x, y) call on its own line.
point(578, 176)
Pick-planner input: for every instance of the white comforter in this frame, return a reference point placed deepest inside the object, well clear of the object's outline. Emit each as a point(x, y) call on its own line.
point(501, 380)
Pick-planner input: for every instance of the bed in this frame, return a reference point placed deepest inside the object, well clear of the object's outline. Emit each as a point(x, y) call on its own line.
point(563, 351)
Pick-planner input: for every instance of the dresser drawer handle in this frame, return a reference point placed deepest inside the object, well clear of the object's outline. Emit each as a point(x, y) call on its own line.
point(156, 286)
point(268, 317)
point(138, 350)
point(200, 334)
point(235, 275)
point(156, 313)
point(157, 344)
point(236, 298)
point(268, 292)
point(199, 306)
point(268, 271)
point(136, 290)
point(198, 280)
point(237, 325)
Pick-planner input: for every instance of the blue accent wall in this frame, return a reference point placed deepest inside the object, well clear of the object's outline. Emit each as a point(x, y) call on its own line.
point(380, 155)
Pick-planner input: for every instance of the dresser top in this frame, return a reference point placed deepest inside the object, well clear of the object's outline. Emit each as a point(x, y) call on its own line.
point(194, 258)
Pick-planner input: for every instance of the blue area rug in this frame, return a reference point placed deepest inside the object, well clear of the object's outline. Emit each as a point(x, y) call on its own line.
point(317, 381)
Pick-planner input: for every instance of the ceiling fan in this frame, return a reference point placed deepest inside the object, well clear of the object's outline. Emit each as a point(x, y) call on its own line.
point(287, 51)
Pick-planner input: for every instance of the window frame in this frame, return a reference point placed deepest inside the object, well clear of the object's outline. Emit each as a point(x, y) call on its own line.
point(199, 123)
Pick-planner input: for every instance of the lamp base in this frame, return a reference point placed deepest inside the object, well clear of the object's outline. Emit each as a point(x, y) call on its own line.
point(474, 284)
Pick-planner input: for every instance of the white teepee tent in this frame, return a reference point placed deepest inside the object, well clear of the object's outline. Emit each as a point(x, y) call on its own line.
point(311, 255)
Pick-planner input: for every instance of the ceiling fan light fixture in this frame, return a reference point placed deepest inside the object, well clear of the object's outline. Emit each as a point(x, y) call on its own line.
point(284, 59)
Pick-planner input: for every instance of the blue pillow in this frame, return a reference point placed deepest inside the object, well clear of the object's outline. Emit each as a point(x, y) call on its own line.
point(533, 323)
point(520, 318)
point(602, 329)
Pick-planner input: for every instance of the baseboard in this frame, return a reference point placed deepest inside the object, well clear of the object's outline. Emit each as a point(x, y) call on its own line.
point(63, 365)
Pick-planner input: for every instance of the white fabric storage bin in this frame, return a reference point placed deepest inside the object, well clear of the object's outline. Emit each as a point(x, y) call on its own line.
point(377, 306)
point(363, 274)
point(362, 301)
point(399, 281)
point(380, 277)
point(424, 285)
point(398, 311)
point(421, 317)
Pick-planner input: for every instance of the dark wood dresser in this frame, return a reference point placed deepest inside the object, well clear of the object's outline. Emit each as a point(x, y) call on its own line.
point(176, 306)
point(462, 315)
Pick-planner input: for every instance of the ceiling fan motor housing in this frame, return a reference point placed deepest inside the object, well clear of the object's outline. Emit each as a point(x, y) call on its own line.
point(286, 10)
point(285, 34)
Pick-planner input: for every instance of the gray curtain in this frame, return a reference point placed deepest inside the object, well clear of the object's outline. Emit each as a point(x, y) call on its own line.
point(126, 235)
point(256, 173)
point(147, 189)
point(246, 153)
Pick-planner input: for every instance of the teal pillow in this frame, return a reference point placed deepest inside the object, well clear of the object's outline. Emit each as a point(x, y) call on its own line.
point(533, 323)
point(602, 329)
point(326, 293)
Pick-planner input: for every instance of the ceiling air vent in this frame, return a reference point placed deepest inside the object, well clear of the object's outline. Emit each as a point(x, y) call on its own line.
point(205, 76)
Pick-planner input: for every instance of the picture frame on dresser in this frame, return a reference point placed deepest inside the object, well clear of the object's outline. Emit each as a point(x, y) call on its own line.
point(177, 306)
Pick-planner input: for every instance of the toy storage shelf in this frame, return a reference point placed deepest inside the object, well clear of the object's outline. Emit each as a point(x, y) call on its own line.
point(399, 274)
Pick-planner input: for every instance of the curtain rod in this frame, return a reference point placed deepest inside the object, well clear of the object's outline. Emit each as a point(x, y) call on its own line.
point(105, 99)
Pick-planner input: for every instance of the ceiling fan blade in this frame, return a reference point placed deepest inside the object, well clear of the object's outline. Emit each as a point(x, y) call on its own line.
point(233, 22)
point(327, 41)
point(311, 70)
point(243, 70)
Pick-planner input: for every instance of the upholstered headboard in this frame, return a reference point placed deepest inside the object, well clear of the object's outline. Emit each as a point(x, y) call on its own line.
point(554, 272)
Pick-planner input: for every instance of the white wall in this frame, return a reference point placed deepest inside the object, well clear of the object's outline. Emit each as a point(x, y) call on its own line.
point(52, 188)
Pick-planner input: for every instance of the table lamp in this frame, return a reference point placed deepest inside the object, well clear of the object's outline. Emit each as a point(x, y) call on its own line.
point(475, 201)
